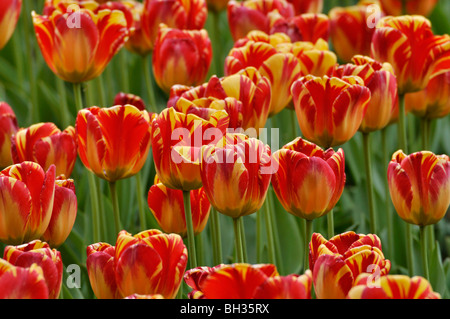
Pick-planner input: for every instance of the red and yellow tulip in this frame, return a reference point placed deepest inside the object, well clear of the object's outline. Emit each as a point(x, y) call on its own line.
point(113, 142)
point(177, 14)
point(236, 174)
point(39, 253)
point(415, 53)
point(307, 6)
point(8, 127)
point(330, 110)
point(246, 16)
point(77, 42)
point(46, 144)
point(177, 140)
point(336, 263)
point(413, 7)
point(308, 181)
point(26, 202)
point(380, 79)
point(9, 15)
point(122, 98)
point(22, 283)
point(137, 42)
point(392, 287)
point(181, 57)
point(167, 207)
point(419, 185)
point(64, 213)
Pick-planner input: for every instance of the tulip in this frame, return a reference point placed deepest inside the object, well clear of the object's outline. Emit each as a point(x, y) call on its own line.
point(247, 86)
point(307, 6)
point(113, 142)
point(329, 109)
point(413, 7)
point(122, 98)
point(46, 144)
point(304, 27)
point(150, 262)
point(137, 42)
point(8, 127)
point(195, 279)
point(392, 287)
point(177, 14)
point(337, 262)
point(22, 283)
point(181, 57)
point(352, 28)
point(138, 296)
point(39, 253)
point(167, 207)
point(64, 213)
point(9, 15)
point(249, 15)
point(26, 202)
point(77, 43)
point(261, 52)
point(415, 53)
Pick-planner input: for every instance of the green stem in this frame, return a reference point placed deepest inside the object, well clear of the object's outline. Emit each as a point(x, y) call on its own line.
point(242, 230)
point(308, 228)
point(190, 229)
point(95, 207)
point(216, 237)
point(30, 36)
point(423, 242)
point(238, 240)
point(403, 143)
point(269, 230)
point(217, 45)
point(140, 201)
point(77, 96)
point(387, 195)
point(425, 131)
point(369, 182)
point(149, 82)
point(330, 223)
point(65, 112)
point(199, 248)
point(124, 70)
point(409, 249)
point(115, 204)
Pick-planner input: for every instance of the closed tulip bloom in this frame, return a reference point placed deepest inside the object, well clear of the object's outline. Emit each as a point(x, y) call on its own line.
point(286, 287)
point(78, 43)
point(181, 57)
point(329, 109)
point(8, 127)
point(26, 202)
point(304, 27)
point(46, 144)
point(22, 283)
point(64, 213)
point(137, 42)
point(419, 185)
point(236, 174)
point(307, 6)
point(414, 7)
point(195, 279)
point(249, 15)
point(176, 14)
point(150, 262)
point(380, 79)
point(39, 253)
point(308, 181)
point(415, 53)
point(336, 263)
point(281, 68)
point(352, 28)
point(177, 139)
point(122, 98)
point(113, 142)
point(432, 102)
point(392, 287)
point(9, 15)
point(167, 207)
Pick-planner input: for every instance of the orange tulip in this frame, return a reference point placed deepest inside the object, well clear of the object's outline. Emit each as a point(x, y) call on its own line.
point(46, 145)
point(22, 283)
point(432, 102)
point(329, 109)
point(309, 181)
point(8, 127)
point(77, 42)
point(392, 287)
point(26, 202)
point(337, 262)
point(415, 7)
point(181, 57)
point(113, 142)
point(304, 27)
point(245, 16)
point(177, 14)
point(419, 185)
point(415, 53)
point(380, 79)
point(39, 253)
point(167, 207)
point(9, 15)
